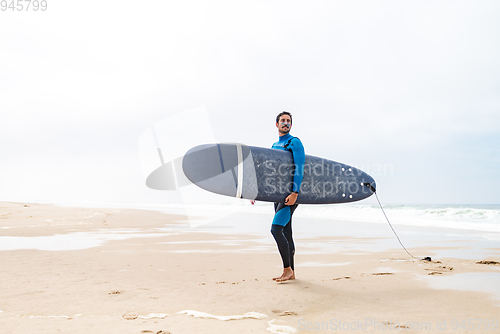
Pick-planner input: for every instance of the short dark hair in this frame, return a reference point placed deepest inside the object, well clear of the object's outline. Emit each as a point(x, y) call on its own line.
point(283, 113)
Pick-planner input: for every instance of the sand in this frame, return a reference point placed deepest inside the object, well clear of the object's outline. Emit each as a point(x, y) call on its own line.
point(85, 270)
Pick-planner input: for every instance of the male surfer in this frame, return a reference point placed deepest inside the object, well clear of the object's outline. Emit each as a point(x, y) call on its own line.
point(281, 227)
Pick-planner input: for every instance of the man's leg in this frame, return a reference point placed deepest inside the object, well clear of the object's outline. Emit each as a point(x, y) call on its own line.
point(282, 232)
point(287, 232)
point(282, 243)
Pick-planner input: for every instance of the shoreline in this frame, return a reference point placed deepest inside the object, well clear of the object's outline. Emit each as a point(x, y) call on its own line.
point(166, 267)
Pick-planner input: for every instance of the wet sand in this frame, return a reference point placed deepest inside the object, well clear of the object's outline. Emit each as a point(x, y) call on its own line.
point(83, 270)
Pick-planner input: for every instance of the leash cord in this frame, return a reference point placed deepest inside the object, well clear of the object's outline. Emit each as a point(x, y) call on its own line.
point(391, 226)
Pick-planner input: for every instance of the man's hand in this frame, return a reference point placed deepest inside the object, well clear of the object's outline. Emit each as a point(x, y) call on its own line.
point(290, 200)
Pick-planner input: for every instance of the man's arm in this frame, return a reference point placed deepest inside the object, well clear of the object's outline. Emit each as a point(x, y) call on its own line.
point(299, 158)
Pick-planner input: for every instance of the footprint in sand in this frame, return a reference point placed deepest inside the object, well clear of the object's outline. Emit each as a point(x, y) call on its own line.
point(393, 325)
point(285, 313)
point(380, 274)
point(130, 316)
point(439, 271)
point(488, 262)
point(445, 267)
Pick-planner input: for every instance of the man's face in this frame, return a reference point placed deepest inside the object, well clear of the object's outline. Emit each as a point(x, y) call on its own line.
point(284, 124)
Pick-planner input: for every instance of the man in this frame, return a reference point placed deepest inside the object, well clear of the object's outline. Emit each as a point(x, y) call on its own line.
point(282, 223)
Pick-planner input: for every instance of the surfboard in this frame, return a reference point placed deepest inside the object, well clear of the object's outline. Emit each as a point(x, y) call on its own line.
point(264, 174)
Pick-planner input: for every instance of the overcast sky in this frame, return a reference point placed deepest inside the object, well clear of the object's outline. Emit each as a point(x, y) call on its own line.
point(408, 91)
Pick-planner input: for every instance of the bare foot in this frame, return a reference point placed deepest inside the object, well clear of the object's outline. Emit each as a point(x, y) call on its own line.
point(277, 278)
point(284, 272)
point(288, 274)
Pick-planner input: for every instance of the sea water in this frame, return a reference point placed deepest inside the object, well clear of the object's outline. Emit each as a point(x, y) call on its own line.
point(470, 217)
point(464, 231)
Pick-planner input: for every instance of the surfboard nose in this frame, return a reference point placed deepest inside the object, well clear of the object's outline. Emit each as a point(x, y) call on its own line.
point(207, 161)
point(216, 167)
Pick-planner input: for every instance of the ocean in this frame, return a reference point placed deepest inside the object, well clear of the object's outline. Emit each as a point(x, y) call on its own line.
point(473, 217)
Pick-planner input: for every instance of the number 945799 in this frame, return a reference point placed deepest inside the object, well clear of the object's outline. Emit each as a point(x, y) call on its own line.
point(23, 5)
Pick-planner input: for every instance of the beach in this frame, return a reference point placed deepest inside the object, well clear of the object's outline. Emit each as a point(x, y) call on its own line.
point(114, 270)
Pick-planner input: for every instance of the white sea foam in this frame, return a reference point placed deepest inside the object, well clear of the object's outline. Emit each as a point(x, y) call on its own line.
point(279, 329)
point(248, 315)
point(485, 218)
point(53, 316)
point(154, 316)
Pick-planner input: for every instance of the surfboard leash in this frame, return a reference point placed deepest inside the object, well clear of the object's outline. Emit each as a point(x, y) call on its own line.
point(376, 196)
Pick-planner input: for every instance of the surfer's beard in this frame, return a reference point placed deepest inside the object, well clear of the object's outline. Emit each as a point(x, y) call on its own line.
point(284, 130)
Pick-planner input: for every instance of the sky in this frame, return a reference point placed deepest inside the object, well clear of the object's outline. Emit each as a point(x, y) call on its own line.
point(408, 91)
